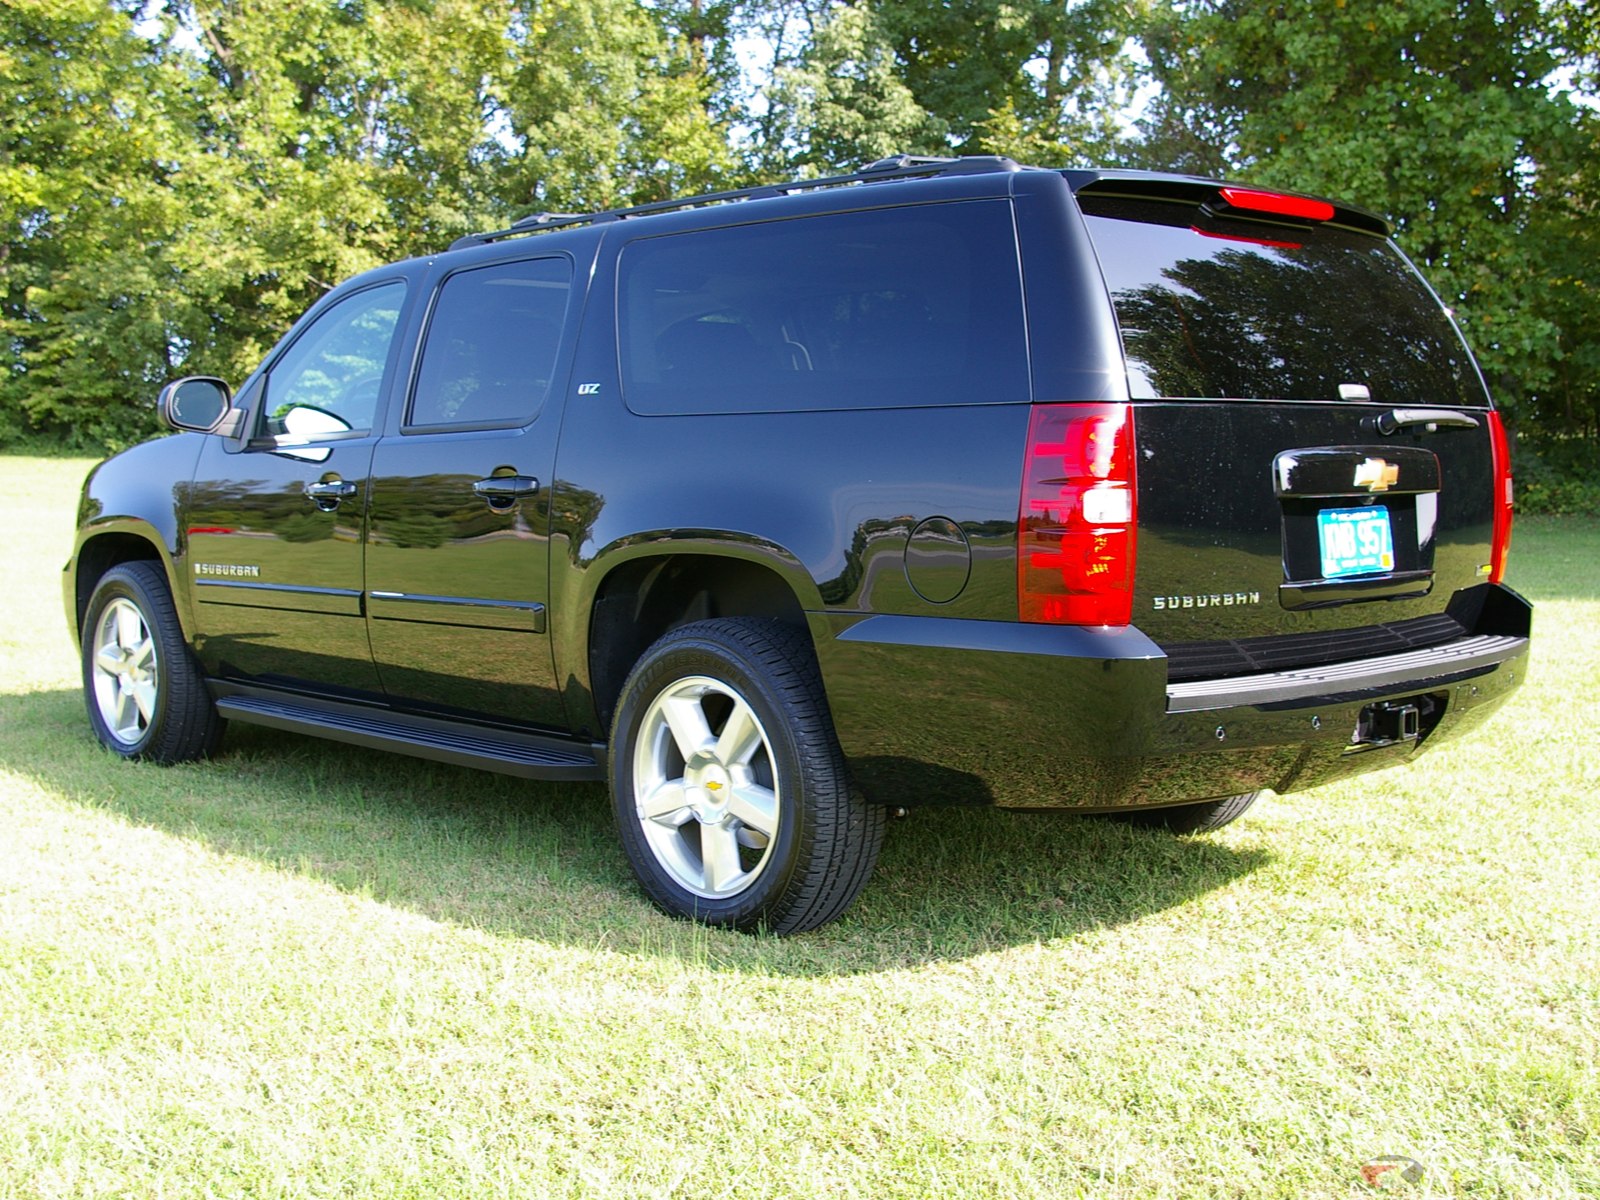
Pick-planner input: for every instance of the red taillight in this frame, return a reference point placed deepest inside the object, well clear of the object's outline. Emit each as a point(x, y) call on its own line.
point(1077, 525)
point(1500, 450)
point(1278, 204)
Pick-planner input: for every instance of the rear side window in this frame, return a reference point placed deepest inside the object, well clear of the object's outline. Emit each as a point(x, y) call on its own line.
point(1237, 309)
point(886, 308)
point(491, 345)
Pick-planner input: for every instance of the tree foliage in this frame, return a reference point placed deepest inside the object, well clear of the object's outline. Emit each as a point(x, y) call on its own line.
point(845, 100)
point(180, 178)
point(88, 208)
point(1445, 116)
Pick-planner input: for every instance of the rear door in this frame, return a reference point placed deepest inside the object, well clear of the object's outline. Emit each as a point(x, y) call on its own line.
point(457, 565)
point(1315, 477)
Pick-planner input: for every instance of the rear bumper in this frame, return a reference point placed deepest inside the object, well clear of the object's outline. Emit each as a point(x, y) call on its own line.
point(1467, 657)
point(942, 711)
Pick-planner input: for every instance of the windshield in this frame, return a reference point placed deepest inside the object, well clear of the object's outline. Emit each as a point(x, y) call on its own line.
point(1215, 308)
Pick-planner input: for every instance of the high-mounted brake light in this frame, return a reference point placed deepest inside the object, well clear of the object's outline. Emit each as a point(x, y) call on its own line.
point(1277, 204)
point(1077, 526)
point(1500, 451)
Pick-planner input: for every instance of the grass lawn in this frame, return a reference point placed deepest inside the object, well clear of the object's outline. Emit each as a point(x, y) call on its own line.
point(307, 970)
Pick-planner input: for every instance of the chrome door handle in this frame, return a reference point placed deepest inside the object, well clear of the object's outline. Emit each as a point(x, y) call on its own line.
point(505, 488)
point(328, 493)
point(338, 488)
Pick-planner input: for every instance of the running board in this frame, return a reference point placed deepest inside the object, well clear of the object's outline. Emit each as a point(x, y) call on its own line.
point(506, 751)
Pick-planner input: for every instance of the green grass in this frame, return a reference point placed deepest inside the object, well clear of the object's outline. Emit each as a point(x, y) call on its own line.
point(307, 970)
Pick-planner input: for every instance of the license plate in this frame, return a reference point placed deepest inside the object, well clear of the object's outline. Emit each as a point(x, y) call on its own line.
point(1355, 541)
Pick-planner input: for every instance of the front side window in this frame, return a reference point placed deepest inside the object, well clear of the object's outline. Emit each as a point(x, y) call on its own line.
point(330, 380)
point(897, 307)
point(491, 345)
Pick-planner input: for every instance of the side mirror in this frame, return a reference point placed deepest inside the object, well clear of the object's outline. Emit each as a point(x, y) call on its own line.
point(198, 403)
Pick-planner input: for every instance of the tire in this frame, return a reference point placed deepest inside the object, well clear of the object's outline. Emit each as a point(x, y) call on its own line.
point(722, 732)
point(146, 697)
point(1203, 817)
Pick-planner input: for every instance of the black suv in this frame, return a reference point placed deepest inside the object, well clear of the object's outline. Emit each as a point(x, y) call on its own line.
point(947, 482)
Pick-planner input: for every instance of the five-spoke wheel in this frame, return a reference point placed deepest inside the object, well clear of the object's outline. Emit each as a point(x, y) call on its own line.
point(124, 671)
point(704, 788)
point(731, 795)
point(145, 696)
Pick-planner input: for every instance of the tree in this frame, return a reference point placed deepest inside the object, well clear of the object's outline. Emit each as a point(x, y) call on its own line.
point(603, 104)
point(179, 179)
point(182, 178)
point(843, 101)
point(1041, 80)
point(326, 139)
point(1444, 115)
point(86, 165)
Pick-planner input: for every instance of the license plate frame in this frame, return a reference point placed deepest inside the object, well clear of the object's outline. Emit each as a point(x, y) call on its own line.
point(1355, 542)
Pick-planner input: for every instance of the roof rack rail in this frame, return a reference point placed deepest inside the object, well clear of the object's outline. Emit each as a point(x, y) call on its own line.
point(900, 166)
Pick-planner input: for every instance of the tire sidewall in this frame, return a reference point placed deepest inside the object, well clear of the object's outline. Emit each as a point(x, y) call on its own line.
point(659, 669)
point(125, 583)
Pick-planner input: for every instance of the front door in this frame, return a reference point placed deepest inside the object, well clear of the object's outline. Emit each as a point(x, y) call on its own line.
point(458, 536)
point(274, 529)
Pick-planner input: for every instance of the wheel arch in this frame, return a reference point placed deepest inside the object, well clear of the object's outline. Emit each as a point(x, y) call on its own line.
point(643, 596)
point(109, 546)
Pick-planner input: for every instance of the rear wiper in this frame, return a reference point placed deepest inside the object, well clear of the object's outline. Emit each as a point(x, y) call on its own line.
point(1431, 418)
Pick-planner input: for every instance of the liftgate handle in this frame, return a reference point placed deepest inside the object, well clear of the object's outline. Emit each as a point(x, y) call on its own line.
point(1430, 418)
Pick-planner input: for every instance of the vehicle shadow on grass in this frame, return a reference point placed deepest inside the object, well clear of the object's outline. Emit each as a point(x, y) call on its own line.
point(541, 861)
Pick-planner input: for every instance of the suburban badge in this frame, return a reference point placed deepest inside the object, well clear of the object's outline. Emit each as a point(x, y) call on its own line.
point(1213, 600)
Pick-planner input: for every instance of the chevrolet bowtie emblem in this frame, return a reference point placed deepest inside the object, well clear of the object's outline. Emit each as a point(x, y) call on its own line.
point(713, 786)
point(1376, 475)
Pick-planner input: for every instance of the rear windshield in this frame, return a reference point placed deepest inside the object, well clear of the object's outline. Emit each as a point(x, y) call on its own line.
point(1217, 309)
